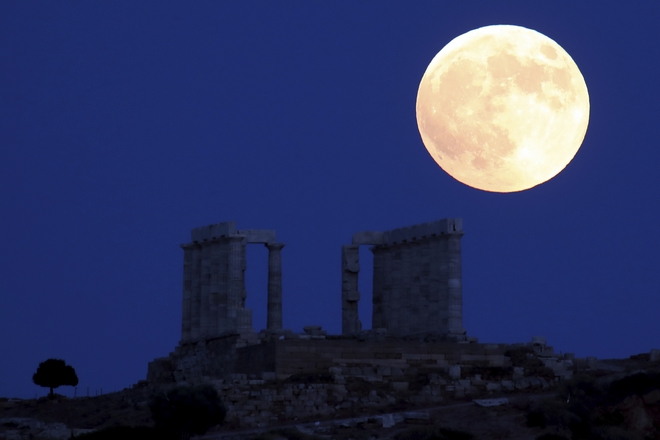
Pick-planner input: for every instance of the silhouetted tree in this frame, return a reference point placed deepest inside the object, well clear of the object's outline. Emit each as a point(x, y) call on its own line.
point(185, 411)
point(53, 373)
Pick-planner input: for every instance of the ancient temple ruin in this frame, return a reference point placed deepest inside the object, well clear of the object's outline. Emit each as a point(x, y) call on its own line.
point(214, 281)
point(416, 280)
point(417, 349)
point(417, 299)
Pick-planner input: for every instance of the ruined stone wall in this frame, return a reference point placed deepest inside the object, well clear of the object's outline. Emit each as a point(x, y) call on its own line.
point(215, 357)
point(250, 354)
point(214, 294)
point(301, 356)
point(262, 401)
point(417, 280)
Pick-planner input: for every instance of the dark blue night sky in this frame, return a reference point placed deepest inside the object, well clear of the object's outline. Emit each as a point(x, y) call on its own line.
point(123, 125)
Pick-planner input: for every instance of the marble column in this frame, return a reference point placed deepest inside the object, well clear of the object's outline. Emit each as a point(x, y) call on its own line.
point(236, 281)
point(378, 313)
point(223, 281)
point(274, 319)
point(454, 284)
point(205, 292)
point(186, 318)
point(195, 294)
point(350, 265)
point(214, 287)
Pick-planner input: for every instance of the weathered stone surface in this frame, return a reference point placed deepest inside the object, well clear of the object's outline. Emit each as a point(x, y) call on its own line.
point(538, 340)
point(367, 237)
point(400, 386)
point(591, 361)
point(654, 355)
point(534, 382)
point(508, 385)
point(454, 371)
point(493, 386)
point(522, 383)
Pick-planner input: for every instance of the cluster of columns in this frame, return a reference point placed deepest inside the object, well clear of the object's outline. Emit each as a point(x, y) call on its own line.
point(417, 286)
point(214, 281)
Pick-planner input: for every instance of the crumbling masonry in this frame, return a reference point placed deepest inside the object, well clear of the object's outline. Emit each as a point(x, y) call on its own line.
point(417, 331)
point(214, 281)
point(416, 280)
point(416, 293)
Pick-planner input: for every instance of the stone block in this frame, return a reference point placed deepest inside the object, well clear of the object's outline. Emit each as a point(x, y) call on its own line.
point(213, 231)
point(534, 382)
point(368, 371)
point(591, 361)
point(373, 378)
point(352, 296)
point(538, 340)
point(314, 330)
point(522, 383)
point(368, 237)
point(416, 415)
point(473, 357)
point(384, 370)
point(454, 371)
point(508, 385)
point(268, 376)
point(258, 235)
point(355, 371)
point(400, 386)
point(493, 386)
point(654, 355)
point(518, 372)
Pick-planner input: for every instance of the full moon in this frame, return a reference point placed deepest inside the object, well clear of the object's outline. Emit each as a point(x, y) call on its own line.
point(502, 108)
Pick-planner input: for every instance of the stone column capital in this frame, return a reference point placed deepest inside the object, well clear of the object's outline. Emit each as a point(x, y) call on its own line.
point(274, 318)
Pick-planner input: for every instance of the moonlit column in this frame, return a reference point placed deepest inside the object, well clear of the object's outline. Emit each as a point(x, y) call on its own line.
point(274, 319)
point(186, 318)
point(214, 287)
point(350, 265)
point(205, 292)
point(196, 296)
point(454, 284)
point(378, 312)
point(236, 285)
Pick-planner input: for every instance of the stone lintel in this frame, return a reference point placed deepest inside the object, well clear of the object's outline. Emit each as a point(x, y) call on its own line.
point(258, 235)
point(423, 230)
point(368, 237)
point(206, 242)
point(213, 231)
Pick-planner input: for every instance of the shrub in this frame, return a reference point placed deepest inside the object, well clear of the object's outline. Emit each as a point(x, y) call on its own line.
point(185, 411)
